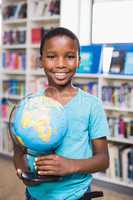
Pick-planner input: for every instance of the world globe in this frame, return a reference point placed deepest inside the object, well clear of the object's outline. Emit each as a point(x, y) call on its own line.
point(39, 124)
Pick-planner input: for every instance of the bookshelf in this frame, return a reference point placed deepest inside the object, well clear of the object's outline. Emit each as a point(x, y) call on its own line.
point(23, 22)
point(120, 123)
point(120, 119)
point(21, 70)
point(116, 93)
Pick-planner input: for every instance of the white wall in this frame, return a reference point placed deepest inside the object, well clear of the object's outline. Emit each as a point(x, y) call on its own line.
point(112, 21)
point(76, 15)
point(85, 21)
point(70, 15)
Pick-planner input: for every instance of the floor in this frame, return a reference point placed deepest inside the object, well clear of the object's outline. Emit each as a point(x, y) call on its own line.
point(11, 187)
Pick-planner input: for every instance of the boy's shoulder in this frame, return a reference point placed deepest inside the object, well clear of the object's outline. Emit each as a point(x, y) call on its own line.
point(90, 97)
point(89, 100)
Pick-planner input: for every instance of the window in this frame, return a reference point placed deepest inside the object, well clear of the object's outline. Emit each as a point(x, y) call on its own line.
point(112, 21)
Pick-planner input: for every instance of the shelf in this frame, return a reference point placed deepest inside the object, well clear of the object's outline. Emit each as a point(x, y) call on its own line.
point(6, 153)
point(14, 97)
point(15, 46)
point(93, 76)
point(5, 120)
point(45, 19)
point(37, 72)
point(121, 140)
point(117, 77)
point(12, 72)
point(12, 2)
point(35, 46)
point(113, 181)
point(15, 21)
point(118, 109)
point(8, 77)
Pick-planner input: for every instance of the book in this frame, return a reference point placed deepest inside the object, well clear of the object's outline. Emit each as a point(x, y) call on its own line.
point(91, 87)
point(121, 148)
point(128, 67)
point(54, 7)
point(23, 11)
point(15, 36)
point(41, 8)
point(131, 130)
point(15, 11)
point(125, 163)
point(36, 35)
point(106, 59)
point(90, 59)
point(86, 62)
point(117, 62)
point(122, 128)
point(114, 167)
point(14, 87)
point(14, 59)
point(130, 165)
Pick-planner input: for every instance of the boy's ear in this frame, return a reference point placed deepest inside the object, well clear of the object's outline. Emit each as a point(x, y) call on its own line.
point(79, 61)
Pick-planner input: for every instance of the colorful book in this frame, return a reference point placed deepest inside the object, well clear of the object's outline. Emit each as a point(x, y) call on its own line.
point(117, 62)
point(128, 68)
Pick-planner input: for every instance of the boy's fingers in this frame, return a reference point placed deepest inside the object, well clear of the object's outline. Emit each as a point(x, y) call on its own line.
point(49, 157)
point(47, 173)
point(45, 162)
point(19, 173)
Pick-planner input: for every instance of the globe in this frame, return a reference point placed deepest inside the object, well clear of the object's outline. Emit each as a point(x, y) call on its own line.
point(39, 124)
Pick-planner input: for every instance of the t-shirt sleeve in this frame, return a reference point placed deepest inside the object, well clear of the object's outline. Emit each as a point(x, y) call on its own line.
point(98, 125)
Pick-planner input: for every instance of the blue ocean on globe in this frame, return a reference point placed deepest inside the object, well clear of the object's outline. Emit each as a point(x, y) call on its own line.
point(40, 124)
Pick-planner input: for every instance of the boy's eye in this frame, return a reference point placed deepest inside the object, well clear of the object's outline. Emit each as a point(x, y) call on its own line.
point(51, 56)
point(70, 56)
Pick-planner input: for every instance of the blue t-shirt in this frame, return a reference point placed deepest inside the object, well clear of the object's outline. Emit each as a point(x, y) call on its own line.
point(86, 122)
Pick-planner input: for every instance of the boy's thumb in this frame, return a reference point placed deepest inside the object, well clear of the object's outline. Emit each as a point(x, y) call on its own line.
point(19, 173)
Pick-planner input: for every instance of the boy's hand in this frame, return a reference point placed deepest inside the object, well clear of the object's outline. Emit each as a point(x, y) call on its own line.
point(54, 165)
point(19, 173)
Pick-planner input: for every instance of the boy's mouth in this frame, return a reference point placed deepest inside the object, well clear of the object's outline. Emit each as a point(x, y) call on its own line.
point(60, 75)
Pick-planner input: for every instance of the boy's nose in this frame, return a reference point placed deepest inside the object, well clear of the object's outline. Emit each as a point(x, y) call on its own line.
point(61, 62)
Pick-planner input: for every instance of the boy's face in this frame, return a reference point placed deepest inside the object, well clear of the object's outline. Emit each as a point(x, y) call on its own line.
point(60, 60)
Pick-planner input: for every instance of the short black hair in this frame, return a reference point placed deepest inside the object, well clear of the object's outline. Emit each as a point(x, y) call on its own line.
point(59, 31)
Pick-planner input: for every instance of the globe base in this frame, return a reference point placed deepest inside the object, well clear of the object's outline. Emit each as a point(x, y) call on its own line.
point(30, 176)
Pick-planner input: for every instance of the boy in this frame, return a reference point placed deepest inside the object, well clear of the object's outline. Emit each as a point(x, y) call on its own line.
point(84, 149)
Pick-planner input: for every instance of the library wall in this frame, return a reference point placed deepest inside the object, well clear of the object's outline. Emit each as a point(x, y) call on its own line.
point(70, 12)
point(85, 26)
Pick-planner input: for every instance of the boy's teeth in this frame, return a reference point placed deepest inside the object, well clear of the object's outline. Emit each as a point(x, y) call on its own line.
point(60, 75)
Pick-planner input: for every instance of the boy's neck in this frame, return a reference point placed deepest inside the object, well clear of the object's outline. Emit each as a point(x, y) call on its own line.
point(61, 94)
point(64, 88)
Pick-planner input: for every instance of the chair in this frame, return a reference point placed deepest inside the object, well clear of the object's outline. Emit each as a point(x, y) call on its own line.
point(92, 195)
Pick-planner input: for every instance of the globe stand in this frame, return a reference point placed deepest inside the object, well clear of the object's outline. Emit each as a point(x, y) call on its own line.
point(28, 175)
